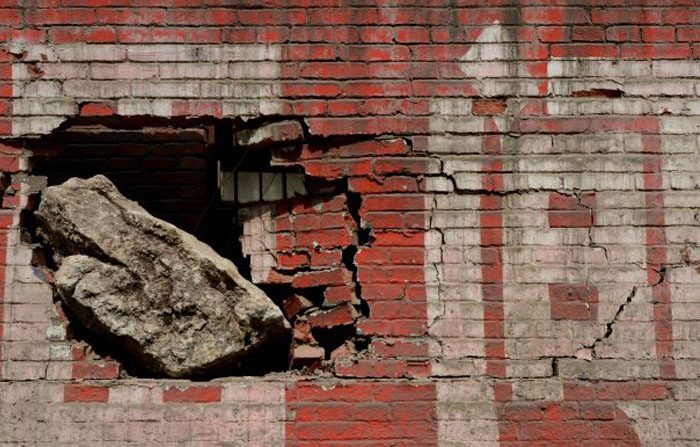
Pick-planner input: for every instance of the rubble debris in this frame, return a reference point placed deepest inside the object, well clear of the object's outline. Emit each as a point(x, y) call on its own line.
point(168, 299)
point(296, 304)
point(307, 356)
point(271, 133)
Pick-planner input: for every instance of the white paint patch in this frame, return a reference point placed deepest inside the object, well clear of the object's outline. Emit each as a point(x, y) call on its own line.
point(240, 80)
point(466, 414)
point(252, 413)
point(259, 240)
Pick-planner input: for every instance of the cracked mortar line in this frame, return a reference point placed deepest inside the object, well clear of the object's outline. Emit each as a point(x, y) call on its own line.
point(590, 349)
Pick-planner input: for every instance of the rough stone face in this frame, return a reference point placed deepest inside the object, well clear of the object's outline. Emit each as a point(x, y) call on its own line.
point(167, 298)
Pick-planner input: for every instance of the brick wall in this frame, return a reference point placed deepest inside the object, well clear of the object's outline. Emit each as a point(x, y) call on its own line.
point(526, 172)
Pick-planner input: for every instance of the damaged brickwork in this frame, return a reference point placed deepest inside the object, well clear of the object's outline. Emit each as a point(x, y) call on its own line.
point(501, 215)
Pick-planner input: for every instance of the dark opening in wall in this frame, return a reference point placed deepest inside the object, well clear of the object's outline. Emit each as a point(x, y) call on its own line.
point(219, 180)
point(172, 173)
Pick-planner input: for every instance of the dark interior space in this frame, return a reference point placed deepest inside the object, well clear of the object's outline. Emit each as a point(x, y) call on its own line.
point(172, 173)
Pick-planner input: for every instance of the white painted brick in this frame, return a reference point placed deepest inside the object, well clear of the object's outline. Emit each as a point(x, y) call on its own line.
point(572, 68)
point(244, 90)
point(90, 53)
point(198, 70)
point(468, 182)
point(96, 89)
point(658, 88)
point(680, 125)
point(44, 106)
point(565, 87)
point(241, 108)
point(271, 106)
point(240, 53)
point(551, 390)
point(164, 89)
point(680, 144)
point(36, 125)
point(254, 70)
point(509, 87)
point(588, 144)
point(125, 71)
point(609, 369)
point(579, 107)
point(675, 69)
point(453, 144)
point(163, 53)
point(488, 69)
point(39, 89)
point(63, 70)
point(451, 106)
point(129, 106)
point(631, 106)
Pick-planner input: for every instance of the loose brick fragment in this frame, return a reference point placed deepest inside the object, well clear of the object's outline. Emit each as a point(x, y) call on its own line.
point(272, 133)
point(307, 356)
point(294, 305)
point(338, 316)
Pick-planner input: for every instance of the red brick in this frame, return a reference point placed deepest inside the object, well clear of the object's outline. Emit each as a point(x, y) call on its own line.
point(305, 356)
point(598, 50)
point(294, 305)
point(385, 405)
point(401, 274)
point(340, 294)
point(337, 277)
point(551, 34)
point(339, 316)
point(554, 16)
point(85, 393)
point(67, 34)
point(488, 107)
point(372, 368)
point(412, 34)
point(387, 238)
point(366, 89)
point(101, 35)
point(588, 34)
point(333, 70)
point(638, 16)
point(623, 34)
point(400, 166)
point(84, 370)
point(573, 302)
point(98, 108)
point(324, 239)
point(10, 17)
point(362, 149)
point(655, 34)
point(404, 202)
point(688, 34)
point(194, 394)
point(315, 89)
point(334, 169)
point(656, 51)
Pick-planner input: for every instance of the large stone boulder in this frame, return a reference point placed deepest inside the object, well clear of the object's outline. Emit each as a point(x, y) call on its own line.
point(171, 302)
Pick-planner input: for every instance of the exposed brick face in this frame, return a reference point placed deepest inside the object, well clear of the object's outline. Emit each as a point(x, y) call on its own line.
point(504, 214)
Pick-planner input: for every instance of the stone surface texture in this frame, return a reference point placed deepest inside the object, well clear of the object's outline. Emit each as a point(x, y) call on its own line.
point(168, 298)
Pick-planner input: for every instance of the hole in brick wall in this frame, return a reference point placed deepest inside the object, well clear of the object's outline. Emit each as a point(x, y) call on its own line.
point(216, 179)
point(172, 173)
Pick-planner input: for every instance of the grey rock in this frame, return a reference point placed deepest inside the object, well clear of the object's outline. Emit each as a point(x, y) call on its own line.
point(170, 301)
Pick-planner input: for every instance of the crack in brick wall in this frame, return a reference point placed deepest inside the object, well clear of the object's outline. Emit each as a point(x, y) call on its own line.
point(550, 170)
